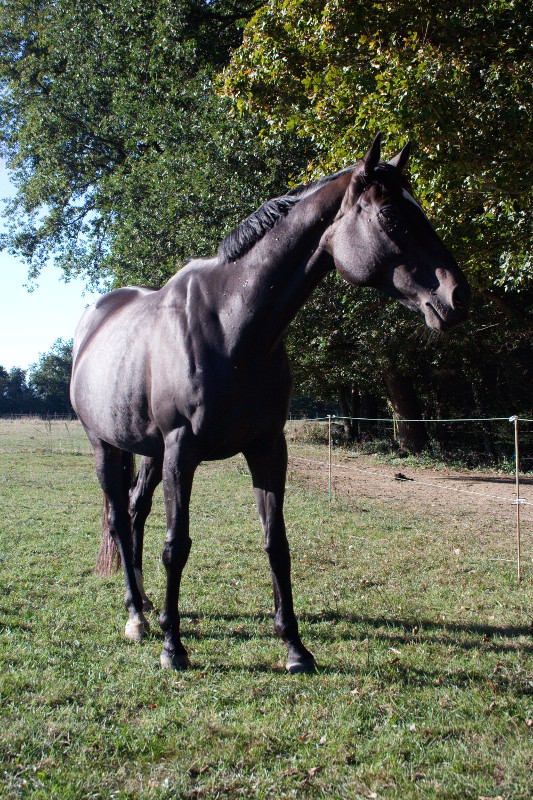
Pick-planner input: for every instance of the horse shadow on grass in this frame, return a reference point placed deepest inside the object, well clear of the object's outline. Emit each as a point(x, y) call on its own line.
point(399, 630)
point(326, 628)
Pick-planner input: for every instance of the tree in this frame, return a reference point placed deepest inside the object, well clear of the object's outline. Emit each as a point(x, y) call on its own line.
point(455, 78)
point(126, 161)
point(15, 395)
point(49, 379)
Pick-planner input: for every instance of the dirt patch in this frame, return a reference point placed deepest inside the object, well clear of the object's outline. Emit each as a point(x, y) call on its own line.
point(481, 500)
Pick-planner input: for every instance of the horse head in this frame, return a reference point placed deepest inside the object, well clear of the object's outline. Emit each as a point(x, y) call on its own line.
point(381, 237)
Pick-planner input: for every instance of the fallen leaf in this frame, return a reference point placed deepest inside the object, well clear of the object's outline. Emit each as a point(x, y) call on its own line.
point(313, 771)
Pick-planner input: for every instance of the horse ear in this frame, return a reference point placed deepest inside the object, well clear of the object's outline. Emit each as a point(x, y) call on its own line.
point(357, 182)
point(402, 158)
point(371, 160)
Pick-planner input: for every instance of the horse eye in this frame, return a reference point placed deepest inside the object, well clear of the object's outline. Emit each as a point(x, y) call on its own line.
point(388, 215)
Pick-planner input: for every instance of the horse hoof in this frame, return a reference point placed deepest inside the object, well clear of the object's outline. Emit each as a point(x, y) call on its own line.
point(175, 661)
point(136, 630)
point(307, 666)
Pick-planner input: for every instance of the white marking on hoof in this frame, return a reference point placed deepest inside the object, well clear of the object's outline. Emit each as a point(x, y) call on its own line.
point(297, 667)
point(174, 662)
point(137, 628)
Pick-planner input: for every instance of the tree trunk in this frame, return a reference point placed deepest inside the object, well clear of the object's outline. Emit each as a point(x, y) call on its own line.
point(442, 380)
point(479, 389)
point(412, 436)
point(348, 398)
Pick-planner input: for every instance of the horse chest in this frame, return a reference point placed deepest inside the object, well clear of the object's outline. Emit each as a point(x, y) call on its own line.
point(232, 407)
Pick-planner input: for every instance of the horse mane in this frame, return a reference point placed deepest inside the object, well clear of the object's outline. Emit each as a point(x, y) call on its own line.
point(240, 240)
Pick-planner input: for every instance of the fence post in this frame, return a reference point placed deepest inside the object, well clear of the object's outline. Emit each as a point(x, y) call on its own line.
point(518, 501)
point(329, 457)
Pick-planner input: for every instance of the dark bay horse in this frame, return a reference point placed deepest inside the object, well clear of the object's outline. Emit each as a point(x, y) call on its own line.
point(197, 370)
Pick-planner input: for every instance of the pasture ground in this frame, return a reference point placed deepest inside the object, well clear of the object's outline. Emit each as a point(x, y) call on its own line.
point(422, 636)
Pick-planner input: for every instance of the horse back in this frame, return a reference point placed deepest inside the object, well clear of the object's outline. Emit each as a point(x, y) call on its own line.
point(103, 310)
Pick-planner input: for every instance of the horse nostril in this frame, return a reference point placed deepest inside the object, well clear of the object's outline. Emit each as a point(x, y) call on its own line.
point(459, 300)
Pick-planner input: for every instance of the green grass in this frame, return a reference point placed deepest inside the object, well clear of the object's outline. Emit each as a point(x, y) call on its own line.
point(424, 686)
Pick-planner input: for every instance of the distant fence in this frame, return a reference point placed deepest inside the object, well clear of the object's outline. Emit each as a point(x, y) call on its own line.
point(41, 417)
point(517, 500)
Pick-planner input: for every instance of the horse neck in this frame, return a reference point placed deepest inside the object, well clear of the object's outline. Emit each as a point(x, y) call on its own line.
point(276, 277)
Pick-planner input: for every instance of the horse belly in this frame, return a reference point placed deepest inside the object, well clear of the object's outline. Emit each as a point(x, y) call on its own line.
point(113, 406)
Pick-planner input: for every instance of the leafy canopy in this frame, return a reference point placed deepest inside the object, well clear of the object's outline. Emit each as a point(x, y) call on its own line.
point(126, 161)
point(455, 78)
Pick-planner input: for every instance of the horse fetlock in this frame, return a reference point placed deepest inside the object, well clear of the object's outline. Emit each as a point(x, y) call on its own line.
point(147, 603)
point(288, 631)
point(137, 628)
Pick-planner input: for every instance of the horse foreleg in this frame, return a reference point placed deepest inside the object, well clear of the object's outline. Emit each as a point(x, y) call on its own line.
point(110, 470)
point(268, 466)
point(179, 466)
point(150, 474)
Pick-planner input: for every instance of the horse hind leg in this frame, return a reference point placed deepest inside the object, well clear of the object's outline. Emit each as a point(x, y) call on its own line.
point(108, 559)
point(113, 467)
point(140, 505)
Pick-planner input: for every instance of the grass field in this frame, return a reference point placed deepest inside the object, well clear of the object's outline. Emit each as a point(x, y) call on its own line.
point(425, 662)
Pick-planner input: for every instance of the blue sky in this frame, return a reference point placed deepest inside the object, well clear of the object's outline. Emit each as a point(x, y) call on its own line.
point(30, 322)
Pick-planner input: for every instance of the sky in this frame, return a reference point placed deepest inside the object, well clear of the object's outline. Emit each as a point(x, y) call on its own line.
point(30, 322)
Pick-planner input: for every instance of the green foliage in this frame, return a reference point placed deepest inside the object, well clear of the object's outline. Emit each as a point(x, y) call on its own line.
point(15, 395)
point(49, 379)
point(455, 78)
point(126, 162)
point(43, 388)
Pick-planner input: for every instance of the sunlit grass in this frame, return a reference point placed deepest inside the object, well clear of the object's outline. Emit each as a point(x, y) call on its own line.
point(425, 663)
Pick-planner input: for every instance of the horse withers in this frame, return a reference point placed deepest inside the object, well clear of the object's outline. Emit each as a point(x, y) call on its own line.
point(197, 370)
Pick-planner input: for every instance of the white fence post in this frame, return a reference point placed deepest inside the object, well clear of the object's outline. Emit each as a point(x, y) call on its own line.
point(518, 501)
point(329, 456)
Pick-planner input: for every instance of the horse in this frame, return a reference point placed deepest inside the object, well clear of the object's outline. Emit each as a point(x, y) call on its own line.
point(197, 370)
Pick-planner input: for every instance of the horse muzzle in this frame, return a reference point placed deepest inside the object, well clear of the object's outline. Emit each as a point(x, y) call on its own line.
point(447, 305)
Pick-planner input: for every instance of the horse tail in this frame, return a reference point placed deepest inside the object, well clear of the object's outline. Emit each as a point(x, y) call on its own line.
point(108, 559)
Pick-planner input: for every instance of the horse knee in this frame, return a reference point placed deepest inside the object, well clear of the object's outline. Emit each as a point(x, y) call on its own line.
point(278, 552)
point(176, 553)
